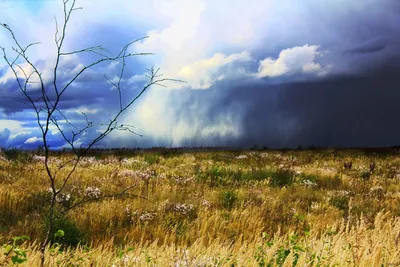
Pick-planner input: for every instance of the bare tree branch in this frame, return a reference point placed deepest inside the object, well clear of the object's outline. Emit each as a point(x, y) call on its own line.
point(93, 49)
point(48, 111)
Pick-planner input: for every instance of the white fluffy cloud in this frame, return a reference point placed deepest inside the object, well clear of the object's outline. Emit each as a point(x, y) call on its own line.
point(12, 125)
point(203, 73)
point(299, 59)
point(84, 110)
point(32, 140)
point(200, 41)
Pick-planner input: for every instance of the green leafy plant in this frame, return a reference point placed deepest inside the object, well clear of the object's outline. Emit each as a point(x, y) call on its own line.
point(65, 233)
point(281, 254)
point(340, 202)
point(228, 199)
point(261, 254)
point(282, 177)
point(14, 251)
point(122, 252)
point(151, 159)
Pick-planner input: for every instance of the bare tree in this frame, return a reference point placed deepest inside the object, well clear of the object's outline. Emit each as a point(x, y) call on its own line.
point(49, 114)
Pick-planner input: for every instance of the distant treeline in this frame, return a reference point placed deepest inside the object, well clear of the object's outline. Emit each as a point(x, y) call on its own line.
point(177, 150)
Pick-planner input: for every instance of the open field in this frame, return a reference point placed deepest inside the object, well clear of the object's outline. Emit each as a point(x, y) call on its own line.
point(232, 208)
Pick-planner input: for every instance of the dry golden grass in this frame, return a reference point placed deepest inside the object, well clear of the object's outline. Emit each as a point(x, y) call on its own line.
point(293, 208)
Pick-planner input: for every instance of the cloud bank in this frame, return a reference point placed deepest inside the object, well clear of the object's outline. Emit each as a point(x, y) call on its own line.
point(274, 73)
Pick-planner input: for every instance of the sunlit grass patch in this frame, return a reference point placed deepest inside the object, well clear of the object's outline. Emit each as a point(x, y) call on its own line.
point(211, 208)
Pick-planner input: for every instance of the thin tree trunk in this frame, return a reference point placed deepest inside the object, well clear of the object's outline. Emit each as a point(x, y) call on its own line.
point(48, 233)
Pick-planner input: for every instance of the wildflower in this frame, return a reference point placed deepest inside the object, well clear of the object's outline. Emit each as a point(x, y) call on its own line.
point(74, 188)
point(62, 198)
point(128, 210)
point(183, 259)
point(126, 161)
point(144, 175)
point(316, 206)
point(183, 208)
point(308, 183)
point(88, 160)
point(93, 192)
point(344, 192)
point(206, 203)
point(241, 157)
point(125, 259)
point(127, 173)
point(39, 158)
point(145, 217)
point(183, 180)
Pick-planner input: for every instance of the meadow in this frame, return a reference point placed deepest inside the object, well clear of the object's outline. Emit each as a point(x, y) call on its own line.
point(206, 208)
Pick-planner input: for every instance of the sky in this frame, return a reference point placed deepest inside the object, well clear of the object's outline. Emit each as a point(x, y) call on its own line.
point(271, 73)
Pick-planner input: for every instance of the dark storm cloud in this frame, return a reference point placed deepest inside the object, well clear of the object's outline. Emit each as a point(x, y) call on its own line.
point(342, 29)
point(339, 111)
point(91, 90)
point(370, 46)
point(355, 104)
point(346, 111)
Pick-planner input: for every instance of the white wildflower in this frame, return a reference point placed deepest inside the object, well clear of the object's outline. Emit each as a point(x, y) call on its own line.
point(125, 259)
point(206, 203)
point(128, 210)
point(183, 180)
point(60, 198)
point(126, 161)
point(127, 172)
point(88, 160)
point(183, 208)
point(308, 183)
point(39, 158)
point(145, 217)
point(93, 192)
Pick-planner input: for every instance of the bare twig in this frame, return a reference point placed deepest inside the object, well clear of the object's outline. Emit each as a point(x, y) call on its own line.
point(47, 109)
